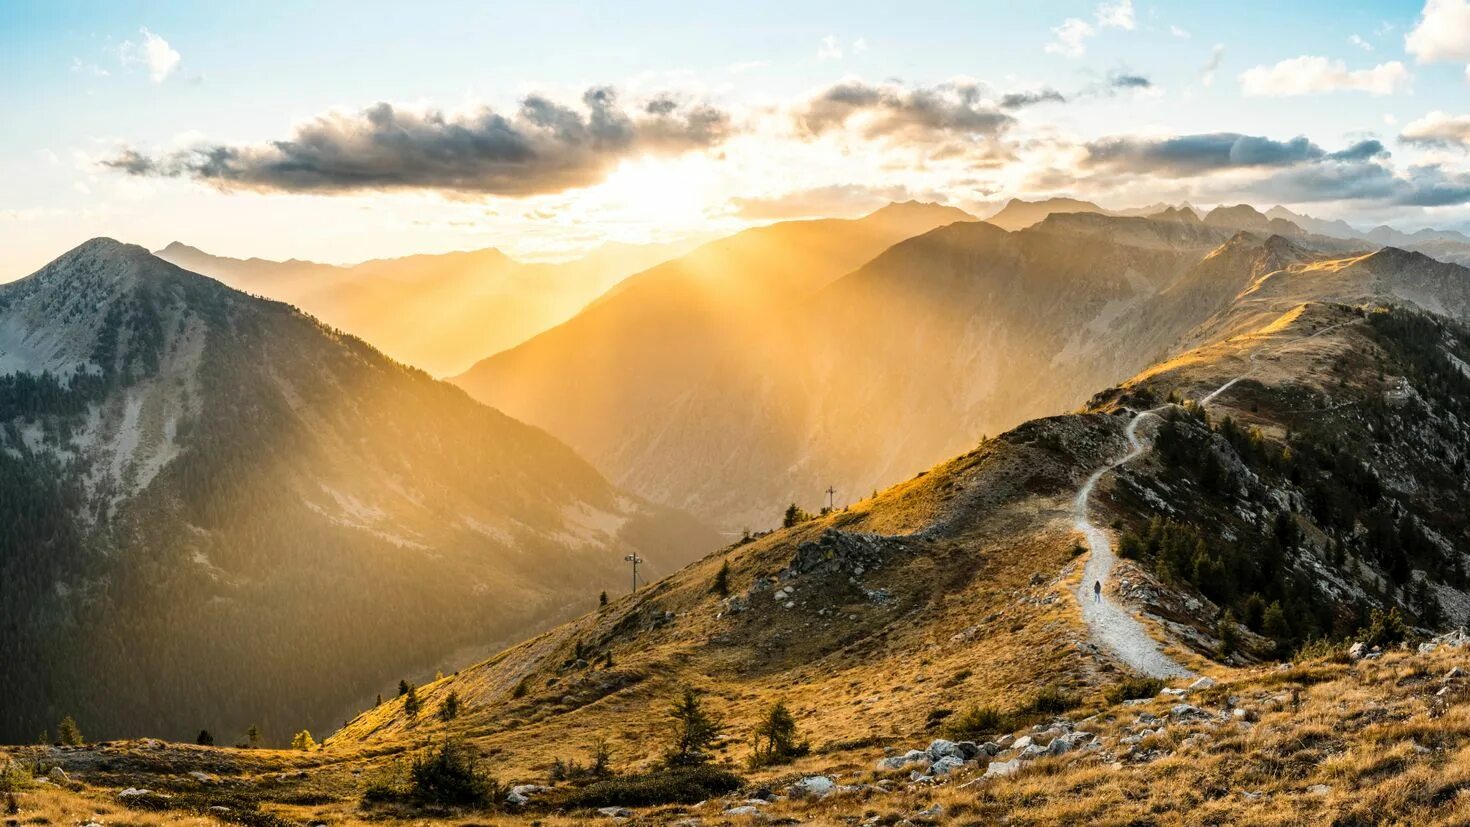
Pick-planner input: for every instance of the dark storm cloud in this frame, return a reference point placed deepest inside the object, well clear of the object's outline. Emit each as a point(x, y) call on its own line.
point(920, 114)
point(1123, 80)
point(542, 147)
point(1187, 155)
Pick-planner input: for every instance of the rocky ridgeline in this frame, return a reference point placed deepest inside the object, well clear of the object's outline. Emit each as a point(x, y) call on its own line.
point(834, 556)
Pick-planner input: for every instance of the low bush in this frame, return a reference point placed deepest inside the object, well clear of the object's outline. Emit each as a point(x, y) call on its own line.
point(677, 785)
point(1052, 701)
point(1133, 689)
point(979, 722)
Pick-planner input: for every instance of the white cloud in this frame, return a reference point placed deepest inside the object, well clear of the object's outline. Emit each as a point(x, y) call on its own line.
point(154, 53)
point(1360, 42)
point(1071, 38)
point(1207, 71)
point(828, 48)
point(1438, 129)
point(860, 45)
point(1118, 15)
point(1308, 75)
point(1181, 33)
point(81, 67)
point(1443, 32)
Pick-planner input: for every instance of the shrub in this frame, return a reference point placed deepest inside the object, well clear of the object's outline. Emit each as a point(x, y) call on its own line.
point(1052, 701)
point(1386, 628)
point(450, 776)
point(411, 702)
point(679, 785)
point(979, 721)
point(204, 739)
point(795, 515)
point(449, 710)
point(303, 741)
point(1133, 689)
point(14, 776)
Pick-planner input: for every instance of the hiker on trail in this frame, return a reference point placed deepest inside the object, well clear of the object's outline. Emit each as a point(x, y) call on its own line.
point(1097, 591)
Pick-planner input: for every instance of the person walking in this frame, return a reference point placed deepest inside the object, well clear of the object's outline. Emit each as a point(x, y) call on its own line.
point(1097, 591)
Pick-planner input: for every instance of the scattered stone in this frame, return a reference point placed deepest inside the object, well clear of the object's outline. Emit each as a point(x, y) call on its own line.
point(1357, 650)
point(1022, 743)
point(1202, 683)
point(201, 776)
point(615, 812)
point(1319, 789)
point(1006, 741)
point(941, 748)
point(1001, 769)
point(816, 786)
point(899, 762)
point(521, 794)
point(946, 765)
point(219, 809)
point(932, 811)
point(1186, 712)
point(58, 776)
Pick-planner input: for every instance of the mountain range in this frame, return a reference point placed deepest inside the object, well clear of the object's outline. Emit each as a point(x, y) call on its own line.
point(436, 312)
point(218, 511)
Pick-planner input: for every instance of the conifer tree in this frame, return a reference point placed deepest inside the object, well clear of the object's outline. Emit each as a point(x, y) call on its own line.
point(68, 733)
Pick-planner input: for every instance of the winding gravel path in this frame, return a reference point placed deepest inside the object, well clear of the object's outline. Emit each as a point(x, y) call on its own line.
point(1110, 625)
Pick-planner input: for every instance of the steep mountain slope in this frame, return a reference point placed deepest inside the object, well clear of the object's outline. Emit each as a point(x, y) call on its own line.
point(1311, 473)
point(960, 332)
point(217, 511)
point(655, 382)
point(438, 312)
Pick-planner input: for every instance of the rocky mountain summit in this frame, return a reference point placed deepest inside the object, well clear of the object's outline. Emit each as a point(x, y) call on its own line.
point(203, 492)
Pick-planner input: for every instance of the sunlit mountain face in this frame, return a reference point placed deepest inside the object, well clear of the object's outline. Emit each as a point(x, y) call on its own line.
point(547, 413)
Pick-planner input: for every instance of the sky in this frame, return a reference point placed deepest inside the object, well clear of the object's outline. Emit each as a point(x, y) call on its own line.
point(343, 131)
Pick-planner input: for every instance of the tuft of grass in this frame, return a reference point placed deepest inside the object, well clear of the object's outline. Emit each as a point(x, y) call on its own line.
point(1133, 689)
point(680, 785)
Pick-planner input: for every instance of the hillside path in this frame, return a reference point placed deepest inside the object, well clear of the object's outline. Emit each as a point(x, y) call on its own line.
point(1110, 625)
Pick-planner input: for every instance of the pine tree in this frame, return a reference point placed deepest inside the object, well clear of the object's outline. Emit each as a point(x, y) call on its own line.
point(776, 739)
point(411, 701)
point(68, 733)
point(403, 687)
point(695, 731)
point(303, 741)
point(449, 710)
point(252, 737)
point(721, 586)
point(602, 599)
point(204, 739)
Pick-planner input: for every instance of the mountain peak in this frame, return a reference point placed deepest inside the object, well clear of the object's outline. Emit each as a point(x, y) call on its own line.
point(914, 210)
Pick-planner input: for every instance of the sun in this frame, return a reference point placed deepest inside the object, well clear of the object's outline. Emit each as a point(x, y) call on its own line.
point(660, 191)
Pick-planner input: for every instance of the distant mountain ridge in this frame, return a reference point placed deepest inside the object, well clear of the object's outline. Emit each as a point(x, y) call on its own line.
point(237, 515)
point(439, 312)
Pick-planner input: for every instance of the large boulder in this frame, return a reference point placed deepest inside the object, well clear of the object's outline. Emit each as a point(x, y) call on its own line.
point(1001, 769)
point(814, 786)
point(941, 748)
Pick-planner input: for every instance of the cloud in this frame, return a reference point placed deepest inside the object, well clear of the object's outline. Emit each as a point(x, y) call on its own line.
point(1071, 38)
point(955, 109)
point(1442, 33)
point(1187, 155)
point(1125, 80)
point(836, 200)
point(1421, 186)
point(1072, 35)
point(543, 147)
point(1181, 33)
point(81, 67)
point(1207, 71)
point(1307, 75)
point(153, 53)
point(1438, 129)
point(828, 48)
point(1116, 15)
point(1360, 42)
point(1020, 100)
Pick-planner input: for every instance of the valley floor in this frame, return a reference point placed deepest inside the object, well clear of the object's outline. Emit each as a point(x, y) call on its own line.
point(1380, 740)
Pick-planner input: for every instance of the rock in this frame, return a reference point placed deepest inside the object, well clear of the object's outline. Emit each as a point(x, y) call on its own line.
point(135, 792)
point(946, 765)
point(1357, 650)
point(932, 811)
point(990, 748)
point(1319, 789)
point(1001, 769)
point(1240, 714)
point(521, 794)
point(969, 750)
point(899, 762)
point(218, 809)
point(816, 786)
point(615, 812)
point(1006, 741)
point(1022, 743)
point(1032, 752)
point(1455, 672)
point(941, 748)
point(201, 777)
point(1059, 746)
point(58, 776)
point(1186, 712)
point(1202, 683)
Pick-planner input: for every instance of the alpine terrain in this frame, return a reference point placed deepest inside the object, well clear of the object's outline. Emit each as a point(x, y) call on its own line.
point(217, 512)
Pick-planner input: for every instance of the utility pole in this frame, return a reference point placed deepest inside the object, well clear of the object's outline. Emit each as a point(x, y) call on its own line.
point(831, 498)
point(635, 560)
